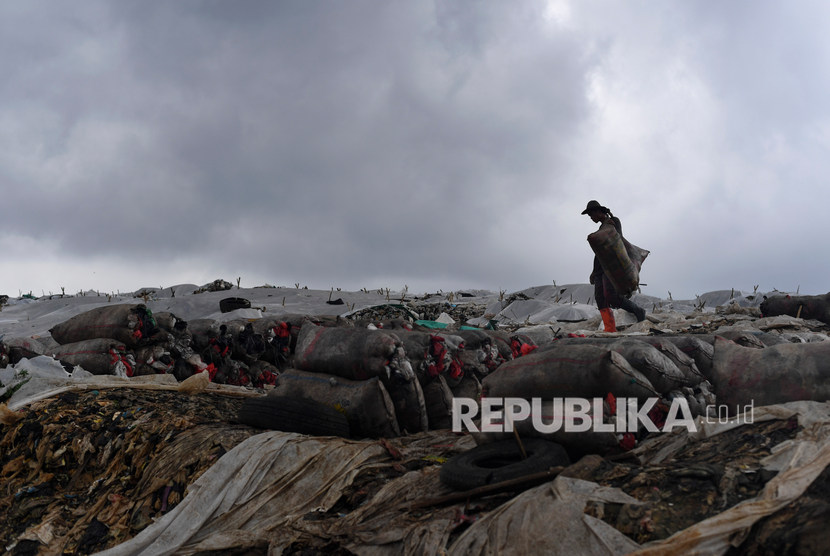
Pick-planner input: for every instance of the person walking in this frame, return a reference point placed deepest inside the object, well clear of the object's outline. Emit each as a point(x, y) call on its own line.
point(604, 292)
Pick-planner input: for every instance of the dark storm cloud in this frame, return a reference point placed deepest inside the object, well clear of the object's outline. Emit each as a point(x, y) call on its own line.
point(343, 140)
point(444, 144)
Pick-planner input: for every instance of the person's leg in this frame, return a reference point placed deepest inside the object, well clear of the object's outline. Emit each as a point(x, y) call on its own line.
point(602, 287)
point(631, 307)
point(608, 319)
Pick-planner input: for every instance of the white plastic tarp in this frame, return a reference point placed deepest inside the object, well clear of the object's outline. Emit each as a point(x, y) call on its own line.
point(549, 519)
point(263, 488)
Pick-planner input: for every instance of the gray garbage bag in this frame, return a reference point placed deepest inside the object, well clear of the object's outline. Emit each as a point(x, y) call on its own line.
point(569, 371)
point(782, 373)
point(360, 354)
point(661, 371)
point(366, 403)
point(99, 356)
point(131, 324)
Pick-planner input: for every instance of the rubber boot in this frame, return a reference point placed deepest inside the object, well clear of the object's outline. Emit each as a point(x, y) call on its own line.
point(608, 319)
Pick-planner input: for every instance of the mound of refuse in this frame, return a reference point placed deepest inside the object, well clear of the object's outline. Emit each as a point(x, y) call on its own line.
point(103, 394)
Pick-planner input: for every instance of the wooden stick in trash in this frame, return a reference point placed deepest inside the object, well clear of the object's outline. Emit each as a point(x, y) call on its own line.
point(516, 434)
point(798, 315)
point(526, 481)
point(519, 442)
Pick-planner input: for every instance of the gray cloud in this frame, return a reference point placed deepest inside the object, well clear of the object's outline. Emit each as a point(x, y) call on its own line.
point(438, 145)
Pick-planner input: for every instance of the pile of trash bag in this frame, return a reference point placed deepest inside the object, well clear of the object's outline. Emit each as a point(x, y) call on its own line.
point(129, 340)
point(361, 408)
point(195, 482)
point(391, 374)
point(400, 380)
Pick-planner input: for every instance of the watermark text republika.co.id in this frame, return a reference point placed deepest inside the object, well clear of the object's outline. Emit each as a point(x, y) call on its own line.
point(552, 415)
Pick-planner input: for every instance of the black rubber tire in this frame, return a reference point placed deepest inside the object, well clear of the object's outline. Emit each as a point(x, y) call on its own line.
point(291, 414)
point(232, 303)
point(501, 461)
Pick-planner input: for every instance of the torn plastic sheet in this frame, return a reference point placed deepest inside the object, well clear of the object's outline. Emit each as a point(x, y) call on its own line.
point(43, 377)
point(549, 519)
point(260, 491)
point(797, 461)
point(264, 483)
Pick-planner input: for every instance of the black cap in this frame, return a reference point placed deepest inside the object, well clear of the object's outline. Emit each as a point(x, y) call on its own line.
point(594, 205)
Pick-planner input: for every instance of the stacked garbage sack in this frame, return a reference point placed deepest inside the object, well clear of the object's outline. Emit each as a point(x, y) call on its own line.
point(353, 378)
point(636, 368)
point(387, 380)
point(747, 360)
point(129, 340)
point(370, 377)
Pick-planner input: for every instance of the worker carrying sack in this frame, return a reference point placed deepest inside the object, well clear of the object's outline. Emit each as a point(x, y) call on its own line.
point(621, 261)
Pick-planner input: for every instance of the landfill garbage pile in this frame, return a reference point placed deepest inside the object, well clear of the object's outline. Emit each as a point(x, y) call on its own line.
point(373, 380)
point(86, 471)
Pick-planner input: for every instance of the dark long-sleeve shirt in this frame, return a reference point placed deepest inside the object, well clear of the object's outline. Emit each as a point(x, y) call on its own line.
point(597, 266)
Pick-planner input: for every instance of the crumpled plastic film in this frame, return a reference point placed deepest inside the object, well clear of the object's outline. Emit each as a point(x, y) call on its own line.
point(549, 519)
point(799, 463)
point(262, 484)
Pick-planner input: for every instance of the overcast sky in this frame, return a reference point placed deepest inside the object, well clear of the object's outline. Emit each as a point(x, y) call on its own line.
point(434, 145)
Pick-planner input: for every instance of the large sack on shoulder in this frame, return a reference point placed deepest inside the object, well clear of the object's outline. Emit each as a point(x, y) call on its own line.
point(568, 371)
point(366, 403)
point(129, 324)
point(99, 356)
point(772, 375)
point(359, 354)
point(613, 254)
point(804, 306)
